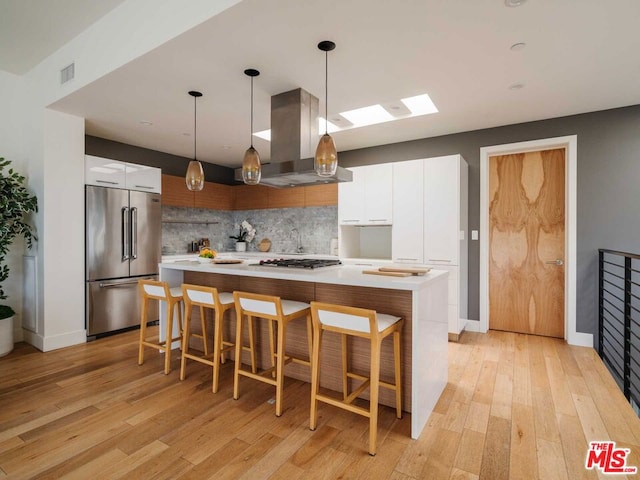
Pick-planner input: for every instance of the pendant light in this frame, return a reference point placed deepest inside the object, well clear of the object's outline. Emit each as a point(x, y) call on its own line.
point(325, 162)
point(195, 174)
point(251, 170)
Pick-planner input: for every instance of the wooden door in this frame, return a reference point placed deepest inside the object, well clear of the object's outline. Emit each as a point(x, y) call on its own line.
point(527, 242)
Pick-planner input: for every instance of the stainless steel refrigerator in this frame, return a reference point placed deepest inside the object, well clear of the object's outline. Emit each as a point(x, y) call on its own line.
point(123, 245)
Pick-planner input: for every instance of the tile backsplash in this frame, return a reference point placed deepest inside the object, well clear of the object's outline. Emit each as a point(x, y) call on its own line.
point(312, 228)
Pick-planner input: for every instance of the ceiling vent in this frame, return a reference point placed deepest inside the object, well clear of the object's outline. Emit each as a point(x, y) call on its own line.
point(67, 73)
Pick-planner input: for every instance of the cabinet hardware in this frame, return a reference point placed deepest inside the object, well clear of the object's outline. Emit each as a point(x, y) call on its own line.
point(107, 182)
point(439, 260)
point(378, 220)
point(142, 186)
point(402, 258)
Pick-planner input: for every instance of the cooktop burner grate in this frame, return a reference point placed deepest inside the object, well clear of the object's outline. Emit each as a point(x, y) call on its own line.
point(299, 262)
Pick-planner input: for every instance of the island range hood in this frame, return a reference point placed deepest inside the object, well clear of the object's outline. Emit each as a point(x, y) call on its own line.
point(294, 137)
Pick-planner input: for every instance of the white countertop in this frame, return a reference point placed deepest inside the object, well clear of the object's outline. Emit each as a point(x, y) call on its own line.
point(339, 274)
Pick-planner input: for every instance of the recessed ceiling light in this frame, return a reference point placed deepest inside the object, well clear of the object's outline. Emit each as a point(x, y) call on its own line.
point(371, 115)
point(514, 3)
point(420, 105)
point(516, 47)
point(516, 86)
point(264, 134)
point(146, 123)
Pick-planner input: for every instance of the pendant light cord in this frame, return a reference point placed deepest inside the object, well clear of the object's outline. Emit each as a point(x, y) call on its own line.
point(195, 127)
point(251, 131)
point(326, 92)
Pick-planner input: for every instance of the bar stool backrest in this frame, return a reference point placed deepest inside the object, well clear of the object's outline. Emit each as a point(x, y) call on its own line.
point(344, 318)
point(254, 304)
point(200, 295)
point(154, 289)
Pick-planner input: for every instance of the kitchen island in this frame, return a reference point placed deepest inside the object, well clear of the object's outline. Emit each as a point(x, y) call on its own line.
point(421, 300)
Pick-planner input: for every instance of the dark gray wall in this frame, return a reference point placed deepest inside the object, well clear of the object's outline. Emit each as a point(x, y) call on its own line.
point(170, 164)
point(608, 187)
point(608, 184)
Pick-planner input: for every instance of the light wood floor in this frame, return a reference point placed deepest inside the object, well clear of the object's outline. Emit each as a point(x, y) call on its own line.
point(515, 407)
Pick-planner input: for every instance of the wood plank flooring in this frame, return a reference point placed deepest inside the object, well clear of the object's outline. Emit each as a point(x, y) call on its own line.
point(515, 407)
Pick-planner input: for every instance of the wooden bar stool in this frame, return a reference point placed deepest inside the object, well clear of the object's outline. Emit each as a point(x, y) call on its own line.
point(219, 302)
point(154, 290)
point(363, 323)
point(273, 309)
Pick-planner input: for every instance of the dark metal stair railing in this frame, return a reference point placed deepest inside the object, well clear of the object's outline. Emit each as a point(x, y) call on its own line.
point(619, 320)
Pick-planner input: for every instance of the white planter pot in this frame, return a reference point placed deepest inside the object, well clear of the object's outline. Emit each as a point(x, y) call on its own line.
point(241, 246)
point(6, 336)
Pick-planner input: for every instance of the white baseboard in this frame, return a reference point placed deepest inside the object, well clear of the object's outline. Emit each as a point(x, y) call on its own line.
point(580, 339)
point(46, 344)
point(473, 326)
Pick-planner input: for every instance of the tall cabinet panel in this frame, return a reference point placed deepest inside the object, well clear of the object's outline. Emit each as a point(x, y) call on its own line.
point(446, 230)
point(408, 212)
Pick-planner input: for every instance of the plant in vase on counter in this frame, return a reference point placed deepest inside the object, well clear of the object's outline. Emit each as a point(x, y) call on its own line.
point(245, 235)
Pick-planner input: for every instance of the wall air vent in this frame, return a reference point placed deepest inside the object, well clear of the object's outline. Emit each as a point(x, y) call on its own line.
point(67, 73)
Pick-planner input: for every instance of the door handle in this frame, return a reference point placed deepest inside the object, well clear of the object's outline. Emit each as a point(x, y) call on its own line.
point(125, 234)
point(559, 262)
point(134, 233)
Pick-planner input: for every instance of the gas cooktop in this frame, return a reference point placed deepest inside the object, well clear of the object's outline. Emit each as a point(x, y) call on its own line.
point(298, 262)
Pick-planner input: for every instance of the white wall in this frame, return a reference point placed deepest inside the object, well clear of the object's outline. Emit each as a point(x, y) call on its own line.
point(52, 146)
point(127, 32)
point(12, 119)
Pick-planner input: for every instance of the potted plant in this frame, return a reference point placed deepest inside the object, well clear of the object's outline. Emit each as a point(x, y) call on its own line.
point(15, 203)
point(245, 235)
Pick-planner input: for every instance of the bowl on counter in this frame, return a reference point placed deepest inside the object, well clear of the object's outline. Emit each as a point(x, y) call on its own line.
point(205, 260)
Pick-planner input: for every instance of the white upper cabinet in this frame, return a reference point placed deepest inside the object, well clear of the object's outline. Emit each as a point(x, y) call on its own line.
point(106, 172)
point(367, 200)
point(351, 198)
point(408, 212)
point(442, 202)
point(143, 178)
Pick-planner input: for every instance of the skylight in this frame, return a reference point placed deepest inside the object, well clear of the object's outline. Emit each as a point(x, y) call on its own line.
point(420, 105)
point(364, 116)
point(264, 134)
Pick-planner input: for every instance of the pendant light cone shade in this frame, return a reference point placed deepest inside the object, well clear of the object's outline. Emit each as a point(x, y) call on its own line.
point(325, 162)
point(251, 169)
point(195, 175)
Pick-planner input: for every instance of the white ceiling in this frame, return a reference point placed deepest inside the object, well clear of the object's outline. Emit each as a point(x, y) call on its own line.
point(580, 56)
point(31, 30)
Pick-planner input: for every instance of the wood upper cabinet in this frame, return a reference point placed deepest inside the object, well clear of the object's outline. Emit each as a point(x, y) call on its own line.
point(215, 196)
point(286, 197)
point(250, 197)
point(175, 192)
point(321, 195)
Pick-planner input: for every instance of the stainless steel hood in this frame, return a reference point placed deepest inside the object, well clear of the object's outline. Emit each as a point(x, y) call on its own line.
point(294, 137)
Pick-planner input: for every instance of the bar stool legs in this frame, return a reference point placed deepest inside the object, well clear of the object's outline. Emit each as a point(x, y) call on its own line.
point(361, 323)
point(278, 312)
point(208, 298)
point(154, 290)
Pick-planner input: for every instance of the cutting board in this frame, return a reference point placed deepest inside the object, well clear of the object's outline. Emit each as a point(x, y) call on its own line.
point(224, 261)
point(411, 271)
point(388, 274)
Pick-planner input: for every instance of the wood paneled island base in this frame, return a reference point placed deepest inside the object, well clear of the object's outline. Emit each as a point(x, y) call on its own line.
point(424, 353)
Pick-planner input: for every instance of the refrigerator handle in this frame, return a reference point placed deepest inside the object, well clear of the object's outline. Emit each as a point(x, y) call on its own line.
point(125, 234)
point(134, 233)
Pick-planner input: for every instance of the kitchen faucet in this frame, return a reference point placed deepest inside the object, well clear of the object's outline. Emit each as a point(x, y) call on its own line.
point(299, 247)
